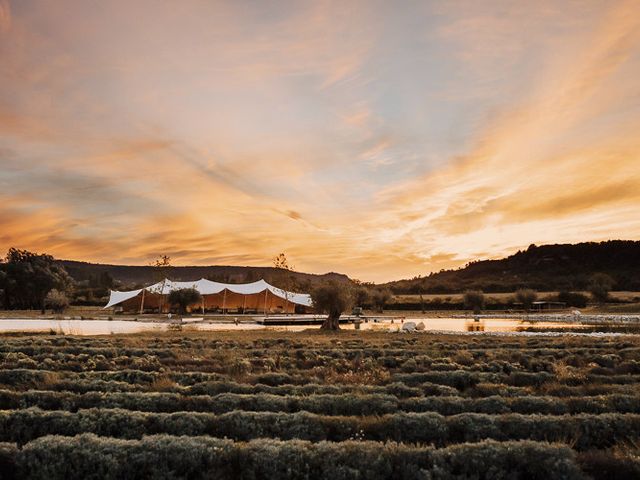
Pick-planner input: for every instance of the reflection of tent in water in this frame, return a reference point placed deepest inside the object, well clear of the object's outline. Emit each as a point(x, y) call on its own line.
point(477, 325)
point(255, 297)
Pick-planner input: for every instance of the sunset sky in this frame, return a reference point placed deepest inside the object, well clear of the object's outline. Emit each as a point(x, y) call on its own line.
point(378, 139)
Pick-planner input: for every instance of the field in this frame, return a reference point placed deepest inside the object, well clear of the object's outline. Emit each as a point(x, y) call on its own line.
point(309, 405)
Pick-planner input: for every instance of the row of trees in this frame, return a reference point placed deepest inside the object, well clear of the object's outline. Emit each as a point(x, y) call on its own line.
point(600, 286)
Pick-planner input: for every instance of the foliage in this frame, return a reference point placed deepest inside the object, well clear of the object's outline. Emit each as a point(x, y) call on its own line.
point(304, 405)
point(526, 297)
point(474, 300)
point(573, 299)
point(161, 456)
point(362, 297)
point(332, 299)
point(380, 297)
point(27, 278)
point(542, 268)
point(600, 285)
point(183, 297)
point(56, 301)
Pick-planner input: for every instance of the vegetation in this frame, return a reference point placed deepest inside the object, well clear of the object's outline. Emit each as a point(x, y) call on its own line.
point(26, 278)
point(56, 301)
point(277, 404)
point(600, 285)
point(380, 297)
point(526, 297)
point(474, 300)
point(573, 299)
point(332, 299)
point(183, 298)
point(542, 268)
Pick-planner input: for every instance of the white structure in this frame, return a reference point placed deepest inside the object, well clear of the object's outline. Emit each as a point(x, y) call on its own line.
point(225, 295)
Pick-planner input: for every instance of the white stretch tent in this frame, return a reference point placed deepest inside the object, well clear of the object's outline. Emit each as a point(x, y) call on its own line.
point(208, 287)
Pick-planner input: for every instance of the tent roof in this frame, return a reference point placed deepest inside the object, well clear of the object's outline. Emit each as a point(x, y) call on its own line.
point(208, 287)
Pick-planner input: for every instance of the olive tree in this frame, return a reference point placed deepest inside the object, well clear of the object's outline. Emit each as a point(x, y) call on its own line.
point(184, 297)
point(332, 299)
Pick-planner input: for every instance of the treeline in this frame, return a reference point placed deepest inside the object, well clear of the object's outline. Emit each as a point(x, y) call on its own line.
point(564, 267)
point(162, 456)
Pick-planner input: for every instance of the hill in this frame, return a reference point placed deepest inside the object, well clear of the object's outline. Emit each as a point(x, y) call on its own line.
point(544, 268)
point(127, 276)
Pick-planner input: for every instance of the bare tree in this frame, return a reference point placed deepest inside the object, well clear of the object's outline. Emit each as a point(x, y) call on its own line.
point(161, 270)
point(286, 279)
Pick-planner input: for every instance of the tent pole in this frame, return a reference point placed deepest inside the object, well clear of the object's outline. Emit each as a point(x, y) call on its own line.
point(202, 304)
point(224, 301)
point(142, 302)
point(265, 302)
point(244, 303)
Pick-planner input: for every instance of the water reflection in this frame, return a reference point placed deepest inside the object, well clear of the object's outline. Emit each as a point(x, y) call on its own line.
point(475, 325)
point(107, 327)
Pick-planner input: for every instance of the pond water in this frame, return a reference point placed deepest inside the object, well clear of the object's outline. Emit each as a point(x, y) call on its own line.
point(108, 327)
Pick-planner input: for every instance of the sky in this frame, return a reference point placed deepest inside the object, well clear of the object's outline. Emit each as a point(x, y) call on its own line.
point(379, 139)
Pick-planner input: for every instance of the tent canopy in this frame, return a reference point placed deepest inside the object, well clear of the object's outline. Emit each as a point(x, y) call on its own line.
point(208, 287)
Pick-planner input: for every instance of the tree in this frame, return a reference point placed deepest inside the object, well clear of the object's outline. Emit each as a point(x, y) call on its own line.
point(161, 270)
point(183, 297)
point(573, 299)
point(600, 285)
point(362, 297)
point(56, 301)
point(380, 297)
point(286, 281)
point(526, 296)
point(474, 300)
point(332, 299)
point(28, 277)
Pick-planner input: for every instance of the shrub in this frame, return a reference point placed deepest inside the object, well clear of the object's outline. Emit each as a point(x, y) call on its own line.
point(526, 297)
point(56, 301)
point(573, 299)
point(600, 284)
point(474, 300)
point(161, 456)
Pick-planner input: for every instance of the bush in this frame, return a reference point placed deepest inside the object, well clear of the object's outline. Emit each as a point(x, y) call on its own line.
point(573, 299)
point(161, 456)
point(56, 301)
point(526, 297)
point(474, 300)
point(600, 285)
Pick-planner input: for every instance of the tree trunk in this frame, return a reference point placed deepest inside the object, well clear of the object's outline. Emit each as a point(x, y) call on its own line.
point(331, 322)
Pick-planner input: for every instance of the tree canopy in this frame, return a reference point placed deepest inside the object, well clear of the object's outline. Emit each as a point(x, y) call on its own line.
point(332, 299)
point(184, 297)
point(26, 278)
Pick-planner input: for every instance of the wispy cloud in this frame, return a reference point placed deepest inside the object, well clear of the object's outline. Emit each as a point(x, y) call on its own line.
point(361, 137)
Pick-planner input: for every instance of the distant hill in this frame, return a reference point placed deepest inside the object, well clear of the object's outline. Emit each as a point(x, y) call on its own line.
point(547, 267)
point(132, 275)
